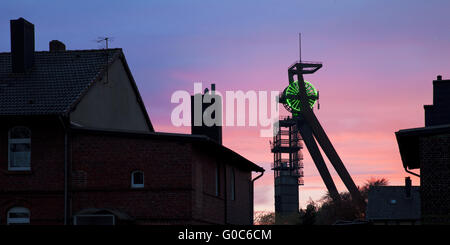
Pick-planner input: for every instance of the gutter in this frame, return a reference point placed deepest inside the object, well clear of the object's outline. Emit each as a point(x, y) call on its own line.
point(409, 172)
point(257, 177)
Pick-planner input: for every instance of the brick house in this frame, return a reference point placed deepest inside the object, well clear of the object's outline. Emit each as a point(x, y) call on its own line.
point(428, 149)
point(77, 147)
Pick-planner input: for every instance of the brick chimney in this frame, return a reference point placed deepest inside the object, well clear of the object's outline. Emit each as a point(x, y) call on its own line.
point(56, 45)
point(22, 45)
point(439, 112)
point(214, 132)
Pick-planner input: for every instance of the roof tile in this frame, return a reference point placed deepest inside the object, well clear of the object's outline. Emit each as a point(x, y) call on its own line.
point(55, 82)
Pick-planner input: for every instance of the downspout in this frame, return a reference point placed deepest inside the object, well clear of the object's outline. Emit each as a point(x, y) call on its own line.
point(65, 170)
point(252, 195)
point(406, 169)
point(225, 192)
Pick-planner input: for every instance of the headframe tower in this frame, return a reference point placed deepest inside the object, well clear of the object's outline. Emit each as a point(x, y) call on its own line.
point(299, 98)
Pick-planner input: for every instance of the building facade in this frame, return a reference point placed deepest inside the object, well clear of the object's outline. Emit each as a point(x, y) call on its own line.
point(428, 149)
point(77, 147)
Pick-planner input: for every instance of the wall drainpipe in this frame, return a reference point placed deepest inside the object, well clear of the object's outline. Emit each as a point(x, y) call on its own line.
point(225, 192)
point(65, 171)
point(252, 195)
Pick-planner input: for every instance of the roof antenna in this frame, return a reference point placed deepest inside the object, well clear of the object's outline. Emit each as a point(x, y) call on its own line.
point(106, 39)
point(300, 47)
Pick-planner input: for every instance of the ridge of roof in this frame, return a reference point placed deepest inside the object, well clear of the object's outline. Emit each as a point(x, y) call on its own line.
point(71, 51)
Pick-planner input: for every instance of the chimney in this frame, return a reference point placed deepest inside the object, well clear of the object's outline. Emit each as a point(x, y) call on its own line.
point(56, 45)
point(408, 187)
point(22, 45)
point(212, 131)
point(439, 112)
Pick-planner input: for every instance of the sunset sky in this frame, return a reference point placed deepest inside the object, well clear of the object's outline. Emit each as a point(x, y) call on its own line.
point(379, 59)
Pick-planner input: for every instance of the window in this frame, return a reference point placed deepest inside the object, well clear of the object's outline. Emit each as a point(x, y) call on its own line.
point(137, 179)
point(18, 215)
point(233, 188)
point(19, 152)
point(217, 179)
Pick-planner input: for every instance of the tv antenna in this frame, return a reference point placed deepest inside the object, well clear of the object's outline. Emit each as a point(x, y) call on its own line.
point(106, 40)
point(300, 47)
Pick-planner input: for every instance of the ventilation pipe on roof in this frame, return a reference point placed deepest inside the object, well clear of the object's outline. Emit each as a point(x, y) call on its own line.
point(408, 187)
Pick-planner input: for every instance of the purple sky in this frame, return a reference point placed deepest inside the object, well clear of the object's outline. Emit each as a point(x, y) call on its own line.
point(379, 57)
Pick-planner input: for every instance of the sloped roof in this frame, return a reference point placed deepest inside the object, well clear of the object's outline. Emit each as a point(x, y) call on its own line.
point(408, 142)
point(57, 81)
point(391, 203)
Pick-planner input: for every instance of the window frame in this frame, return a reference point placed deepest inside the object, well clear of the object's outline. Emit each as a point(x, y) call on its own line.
point(137, 186)
point(18, 221)
point(217, 180)
point(18, 141)
point(233, 185)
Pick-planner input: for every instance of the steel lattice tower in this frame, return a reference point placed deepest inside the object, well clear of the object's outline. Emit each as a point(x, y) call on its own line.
point(288, 167)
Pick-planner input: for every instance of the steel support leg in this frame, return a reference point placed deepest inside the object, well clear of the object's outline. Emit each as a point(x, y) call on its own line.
point(332, 155)
point(307, 136)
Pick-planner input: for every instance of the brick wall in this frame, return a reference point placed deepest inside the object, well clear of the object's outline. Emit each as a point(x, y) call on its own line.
point(211, 208)
point(435, 179)
point(179, 177)
point(106, 163)
point(239, 210)
point(41, 189)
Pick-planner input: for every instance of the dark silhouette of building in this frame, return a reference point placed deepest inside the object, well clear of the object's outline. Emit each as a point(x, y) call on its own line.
point(439, 112)
point(398, 205)
point(77, 147)
point(428, 149)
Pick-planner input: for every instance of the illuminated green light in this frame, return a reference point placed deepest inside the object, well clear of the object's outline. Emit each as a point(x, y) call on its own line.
point(292, 95)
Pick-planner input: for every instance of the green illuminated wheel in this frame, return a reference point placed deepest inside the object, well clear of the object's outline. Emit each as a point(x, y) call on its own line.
point(291, 100)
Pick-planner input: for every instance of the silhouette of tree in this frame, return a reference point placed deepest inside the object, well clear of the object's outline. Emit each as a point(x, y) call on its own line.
point(264, 218)
point(372, 182)
point(326, 211)
point(308, 216)
point(330, 211)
